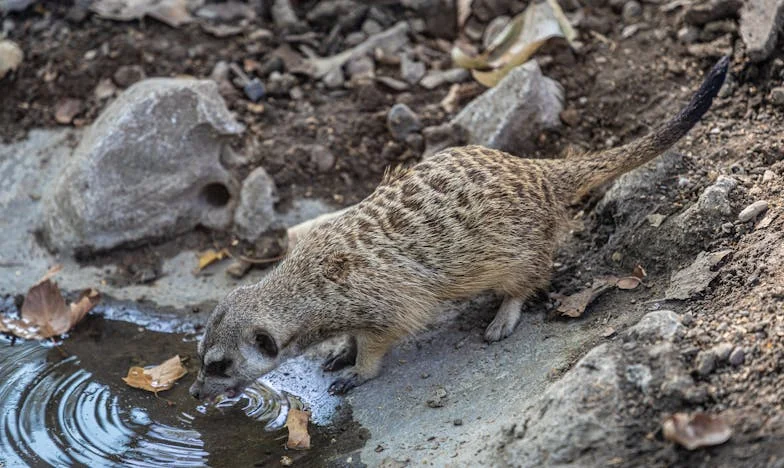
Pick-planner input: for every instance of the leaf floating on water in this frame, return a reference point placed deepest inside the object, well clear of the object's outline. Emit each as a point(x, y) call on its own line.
point(156, 379)
point(208, 257)
point(696, 430)
point(574, 305)
point(628, 282)
point(516, 43)
point(297, 424)
point(44, 311)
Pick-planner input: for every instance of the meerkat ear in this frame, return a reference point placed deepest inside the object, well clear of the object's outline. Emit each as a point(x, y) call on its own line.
point(266, 343)
point(337, 266)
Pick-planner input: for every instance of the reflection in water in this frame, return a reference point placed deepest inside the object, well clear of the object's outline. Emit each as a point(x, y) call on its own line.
point(65, 406)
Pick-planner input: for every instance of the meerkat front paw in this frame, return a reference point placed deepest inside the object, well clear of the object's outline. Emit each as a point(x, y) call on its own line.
point(342, 357)
point(505, 320)
point(343, 384)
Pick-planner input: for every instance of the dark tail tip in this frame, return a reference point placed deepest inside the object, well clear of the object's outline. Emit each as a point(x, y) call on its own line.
point(703, 98)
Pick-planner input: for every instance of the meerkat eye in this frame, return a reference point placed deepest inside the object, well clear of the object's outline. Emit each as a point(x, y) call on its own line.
point(218, 368)
point(266, 344)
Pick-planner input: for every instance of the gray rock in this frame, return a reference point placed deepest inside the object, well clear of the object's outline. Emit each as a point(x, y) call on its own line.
point(148, 167)
point(752, 211)
point(283, 14)
point(737, 357)
point(402, 121)
point(760, 23)
point(696, 277)
point(256, 211)
point(411, 70)
point(705, 362)
point(639, 375)
point(511, 115)
point(713, 204)
point(361, 68)
point(657, 325)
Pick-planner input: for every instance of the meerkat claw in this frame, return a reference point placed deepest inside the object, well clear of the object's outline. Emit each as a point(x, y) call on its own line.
point(342, 385)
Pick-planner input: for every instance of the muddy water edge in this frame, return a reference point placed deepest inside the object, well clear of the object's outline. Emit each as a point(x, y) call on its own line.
point(65, 404)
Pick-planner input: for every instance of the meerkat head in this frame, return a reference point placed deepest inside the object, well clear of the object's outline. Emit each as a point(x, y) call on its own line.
point(243, 340)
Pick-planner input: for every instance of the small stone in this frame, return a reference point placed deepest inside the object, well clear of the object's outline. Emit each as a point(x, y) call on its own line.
point(334, 79)
point(104, 89)
point(457, 422)
point(128, 75)
point(402, 121)
point(705, 363)
point(722, 351)
point(737, 357)
point(256, 210)
point(631, 11)
point(439, 398)
point(10, 57)
point(238, 268)
point(355, 38)
point(362, 68)
point(688, 34)
point(67, 109)
point(371, 27)
point(436, 78)
point(392, 83)
point(321, 157)
point(752, 211)
point(411, 71)
point(777, 95)
point(768, 176)
point(296, 93)
point(570, 117)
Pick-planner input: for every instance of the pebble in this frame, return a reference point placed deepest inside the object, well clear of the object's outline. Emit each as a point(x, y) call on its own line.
point(705, 362)
point(737, 357)
point(777, 95)
point(688, 34)
point(436, 78)
point(631, 11)
point(10, 57)
point(361, 68)
point(402, 121)
point(752, 211)
point(355, 38)
point(322, 158)
point(458, 422)
point(439, 398)
point(334, 79)
point(411, 70)
point(570, 117)
point(722, 351)
point(768, 176)
point(392, 83)
point(128, 75)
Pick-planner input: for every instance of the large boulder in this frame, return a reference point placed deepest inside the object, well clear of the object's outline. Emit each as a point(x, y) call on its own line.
point(148, 167)
point(511, 115)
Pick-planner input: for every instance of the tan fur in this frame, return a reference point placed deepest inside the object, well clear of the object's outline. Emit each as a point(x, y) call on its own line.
point(467, 220)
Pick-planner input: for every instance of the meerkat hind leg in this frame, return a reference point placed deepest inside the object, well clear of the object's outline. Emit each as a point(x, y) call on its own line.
point(370, 354)
point(342, 357)
point(505, 319)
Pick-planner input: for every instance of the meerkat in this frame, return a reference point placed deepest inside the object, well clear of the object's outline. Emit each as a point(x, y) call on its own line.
point(468, 220)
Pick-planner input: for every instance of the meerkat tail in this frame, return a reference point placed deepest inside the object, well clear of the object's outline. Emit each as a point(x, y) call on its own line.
point(595, 169)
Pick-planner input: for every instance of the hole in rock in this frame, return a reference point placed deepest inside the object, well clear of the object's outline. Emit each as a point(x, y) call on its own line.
point(216, 194)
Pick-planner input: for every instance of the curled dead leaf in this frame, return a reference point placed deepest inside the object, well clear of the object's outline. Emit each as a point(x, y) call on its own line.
point(44, 311)
point(639, 272)
point(696, 430)
point(297, 424)
point(574, 305)
point(517, 42)
point(208, 257)
point(156, 379)
point(628, 282)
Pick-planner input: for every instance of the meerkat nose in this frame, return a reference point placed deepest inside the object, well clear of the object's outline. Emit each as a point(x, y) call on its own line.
point(195, 391)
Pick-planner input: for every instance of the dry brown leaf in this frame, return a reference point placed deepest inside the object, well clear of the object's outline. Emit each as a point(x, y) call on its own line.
point(44, 312)
point(517, 42)
point(208, 257)
point(156, 379)
point(639, 272)
point(574, 305)
point(172, 12)
point(696, 430)
point(628, 282)
point(297, 424)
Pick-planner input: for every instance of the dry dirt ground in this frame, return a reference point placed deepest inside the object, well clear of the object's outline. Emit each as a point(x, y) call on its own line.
point(616, 89)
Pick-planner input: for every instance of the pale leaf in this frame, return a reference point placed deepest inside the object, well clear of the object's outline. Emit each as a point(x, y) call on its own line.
point(297, 424)
point(156, 379)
